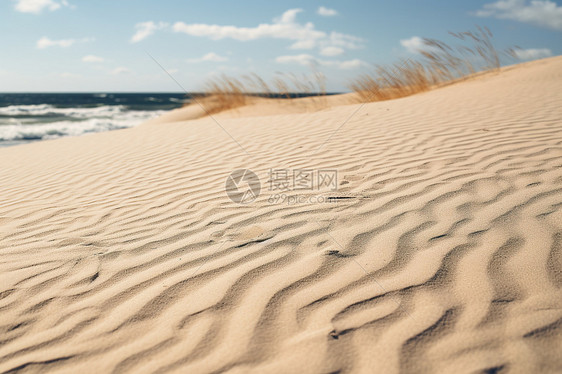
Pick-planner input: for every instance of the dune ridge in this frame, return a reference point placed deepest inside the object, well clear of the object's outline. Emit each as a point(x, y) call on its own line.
point(441, 250)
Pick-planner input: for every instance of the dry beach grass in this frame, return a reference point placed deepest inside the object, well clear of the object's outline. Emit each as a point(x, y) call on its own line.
point(225, 93)
point(439, 64)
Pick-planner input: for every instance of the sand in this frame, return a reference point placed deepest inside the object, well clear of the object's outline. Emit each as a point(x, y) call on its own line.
point(440, 250)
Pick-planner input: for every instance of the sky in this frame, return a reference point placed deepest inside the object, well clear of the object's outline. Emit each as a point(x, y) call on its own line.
point(124, 45)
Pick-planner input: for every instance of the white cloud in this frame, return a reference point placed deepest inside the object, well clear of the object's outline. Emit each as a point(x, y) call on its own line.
point(311, 61)
point(120, 70)
point(543, 13)
point(532, 53)
point(323, 11)
point(145, 29)
point(304, 36)
point(345, 41)
point(37, 6)
point(414, 44)
point(304, 59)
point(92, 58)
point(45, 42)
point(289, 16)
point(211, 56)
point(283, 28)
point(331, 51)
point(344, 65)
point(350, 64)
point(304, 44)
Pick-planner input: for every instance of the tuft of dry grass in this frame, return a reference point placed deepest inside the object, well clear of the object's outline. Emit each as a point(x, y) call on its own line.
point(438, 64)
point(225, 92)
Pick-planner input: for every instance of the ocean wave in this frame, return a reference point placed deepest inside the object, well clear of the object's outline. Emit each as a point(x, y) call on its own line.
point(174, 100)
point(49, 110)
point(52, 130)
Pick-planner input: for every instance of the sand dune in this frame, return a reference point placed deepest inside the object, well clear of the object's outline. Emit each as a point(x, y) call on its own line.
point(440, 251)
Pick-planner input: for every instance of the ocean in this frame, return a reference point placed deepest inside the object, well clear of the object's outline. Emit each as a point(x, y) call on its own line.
point(31, 117)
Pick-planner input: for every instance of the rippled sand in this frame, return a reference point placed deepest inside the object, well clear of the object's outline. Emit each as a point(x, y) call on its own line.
point(120, 252)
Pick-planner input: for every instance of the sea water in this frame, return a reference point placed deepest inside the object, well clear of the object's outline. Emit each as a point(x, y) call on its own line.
point(30, 117)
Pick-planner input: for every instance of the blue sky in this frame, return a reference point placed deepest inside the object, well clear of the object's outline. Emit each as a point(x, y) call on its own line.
point(102, 45)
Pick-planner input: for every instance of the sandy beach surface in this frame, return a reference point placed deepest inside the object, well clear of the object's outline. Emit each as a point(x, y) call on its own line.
point(439, 250)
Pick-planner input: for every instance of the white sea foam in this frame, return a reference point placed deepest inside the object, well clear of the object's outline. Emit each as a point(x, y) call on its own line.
point(174, 100)
point(45, 109)
point(103, 119)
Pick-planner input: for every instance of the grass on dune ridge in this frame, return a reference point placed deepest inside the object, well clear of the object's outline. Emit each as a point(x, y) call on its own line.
point(224, 92)
point(436, 64)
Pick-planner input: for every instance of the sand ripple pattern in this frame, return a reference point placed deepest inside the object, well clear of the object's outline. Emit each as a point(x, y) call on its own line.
point(120, 252)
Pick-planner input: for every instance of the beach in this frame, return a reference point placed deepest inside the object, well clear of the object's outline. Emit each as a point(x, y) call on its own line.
point(429, 239)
